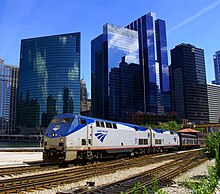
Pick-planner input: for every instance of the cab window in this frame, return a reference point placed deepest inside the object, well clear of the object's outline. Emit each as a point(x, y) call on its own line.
point(82, 121)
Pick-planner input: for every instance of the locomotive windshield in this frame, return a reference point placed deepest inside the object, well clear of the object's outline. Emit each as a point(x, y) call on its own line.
point(59, 127)
point(61, 120)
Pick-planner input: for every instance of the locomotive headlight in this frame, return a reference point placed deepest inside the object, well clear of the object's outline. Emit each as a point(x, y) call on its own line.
point(45, 140)
point(61, 139)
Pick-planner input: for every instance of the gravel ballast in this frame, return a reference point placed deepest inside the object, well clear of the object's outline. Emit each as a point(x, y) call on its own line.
point(176, 187)
point(10, 159)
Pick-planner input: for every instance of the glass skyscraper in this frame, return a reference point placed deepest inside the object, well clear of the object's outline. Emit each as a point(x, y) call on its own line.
point(217, 67)
point(188, 80)
point(130, 69)
point(49, 80)
point(8, 97)
point(115, 62)
point(154, 62)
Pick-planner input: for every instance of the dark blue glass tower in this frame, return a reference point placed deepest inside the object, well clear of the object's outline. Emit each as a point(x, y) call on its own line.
point(154, 62)
point(216, 59)
point(188, 82)
point(116, 74)
point(49, 80)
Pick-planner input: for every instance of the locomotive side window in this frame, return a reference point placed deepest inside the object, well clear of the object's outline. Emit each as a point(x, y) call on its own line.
point(108, 125)
point(114, 126)
point(97, 124)
point(157, 141)
point(141, 142)
point(83, 142)
point(102, 124)
point(171, 132)
point(145, 141)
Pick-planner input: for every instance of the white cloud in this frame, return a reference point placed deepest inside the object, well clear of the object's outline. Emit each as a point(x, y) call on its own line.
point(198, 14)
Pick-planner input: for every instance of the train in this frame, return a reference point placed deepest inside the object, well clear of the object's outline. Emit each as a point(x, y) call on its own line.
point(79, 138)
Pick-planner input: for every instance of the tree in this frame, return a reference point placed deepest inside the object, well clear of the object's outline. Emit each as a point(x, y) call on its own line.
point(171, 125)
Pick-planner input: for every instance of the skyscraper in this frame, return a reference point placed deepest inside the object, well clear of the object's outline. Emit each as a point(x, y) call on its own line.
point(189, 87)
point(84, 102)
point(214, 103)
point(115, 45)
point(217, 67)
point(154, 62)
point(153, 93)
point(8, 97)
point(49, 81)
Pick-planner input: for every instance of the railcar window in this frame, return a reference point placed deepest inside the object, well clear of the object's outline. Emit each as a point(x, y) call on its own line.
point(114, 126)
point(102, 124)
point(97, 124)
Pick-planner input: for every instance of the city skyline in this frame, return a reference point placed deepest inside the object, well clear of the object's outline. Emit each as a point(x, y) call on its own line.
point(186, 22)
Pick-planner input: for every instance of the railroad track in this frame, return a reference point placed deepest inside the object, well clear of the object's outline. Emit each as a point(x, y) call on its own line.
point(74, 174)
point(163, 174)
point(9, 171)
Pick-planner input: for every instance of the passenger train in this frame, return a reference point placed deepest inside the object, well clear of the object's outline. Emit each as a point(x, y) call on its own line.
point(71, 138)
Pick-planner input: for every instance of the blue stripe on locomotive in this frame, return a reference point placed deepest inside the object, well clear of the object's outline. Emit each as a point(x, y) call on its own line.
point(66, 129)
point(163, 130)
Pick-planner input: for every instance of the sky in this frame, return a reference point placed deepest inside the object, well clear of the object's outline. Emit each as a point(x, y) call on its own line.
point(193, 22)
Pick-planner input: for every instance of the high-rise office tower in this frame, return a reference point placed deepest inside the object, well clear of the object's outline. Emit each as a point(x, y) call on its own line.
point(115, 62)
point(49, 81)
point(217, 67)
point(152, 91)
point(84, 102)
point(8, 97)
point(214, 103)
point(188, 80)
point(154, 62)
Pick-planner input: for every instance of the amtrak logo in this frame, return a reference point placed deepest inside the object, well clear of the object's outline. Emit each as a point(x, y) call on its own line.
point(100, 136)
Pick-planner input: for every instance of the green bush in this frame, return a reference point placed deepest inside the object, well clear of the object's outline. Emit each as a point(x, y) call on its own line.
point(204, 185)
point(207, 184)
point(212, 147)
